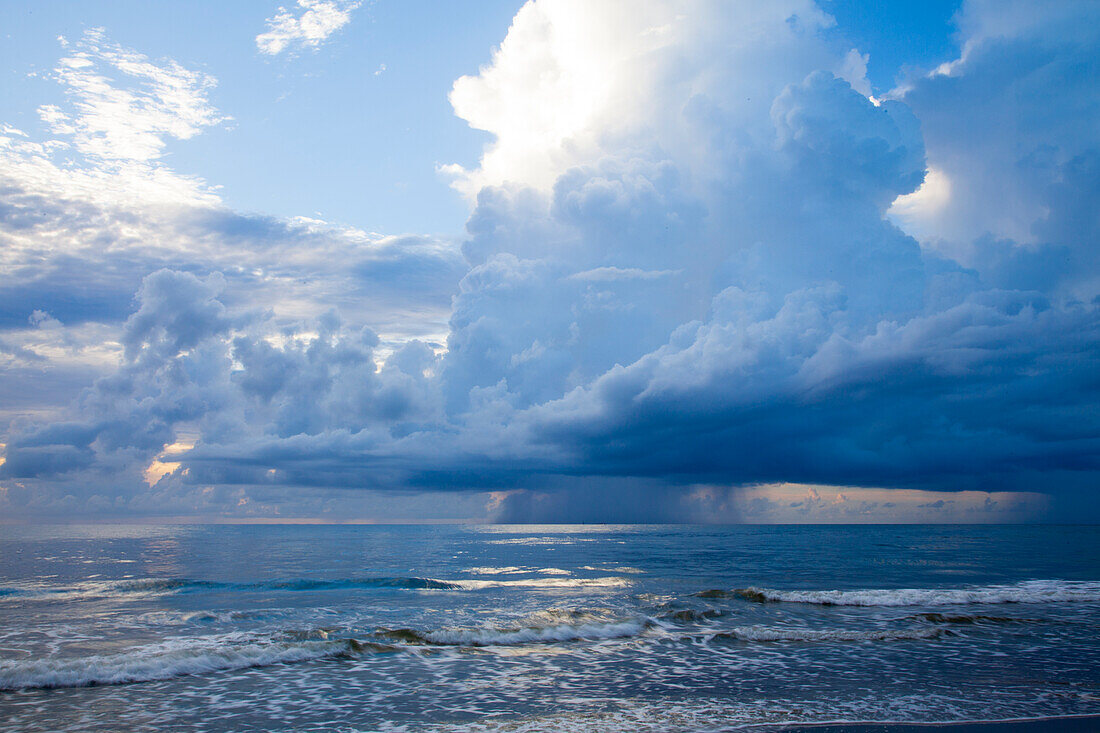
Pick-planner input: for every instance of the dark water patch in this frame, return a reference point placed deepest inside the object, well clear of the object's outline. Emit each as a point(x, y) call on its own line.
point(356, 647)
point(692, 616)
point(161, 585)
point(404, 636)
point(715, 593)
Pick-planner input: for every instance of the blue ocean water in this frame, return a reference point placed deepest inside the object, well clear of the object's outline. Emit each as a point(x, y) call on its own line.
point(543, 628)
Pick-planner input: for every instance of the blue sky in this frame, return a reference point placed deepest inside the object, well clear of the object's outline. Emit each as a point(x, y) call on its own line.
point(558, 260)
point(285, 152)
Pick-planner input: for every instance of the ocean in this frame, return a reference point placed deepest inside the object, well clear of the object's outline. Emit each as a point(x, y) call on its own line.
point(543, 628)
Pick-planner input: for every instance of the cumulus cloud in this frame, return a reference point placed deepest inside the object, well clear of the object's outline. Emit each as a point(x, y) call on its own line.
point(91, 210)
point(699, 257)
point(308, 26)
point(1007, 131)
point(190, 366)
point(574, 79)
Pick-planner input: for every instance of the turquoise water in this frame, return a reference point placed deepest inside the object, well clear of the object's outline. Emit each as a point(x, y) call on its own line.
point(524, 628)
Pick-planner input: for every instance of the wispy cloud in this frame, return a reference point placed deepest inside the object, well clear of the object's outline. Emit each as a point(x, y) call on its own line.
point(125, 106)
point(120, 113)
point(307, 26)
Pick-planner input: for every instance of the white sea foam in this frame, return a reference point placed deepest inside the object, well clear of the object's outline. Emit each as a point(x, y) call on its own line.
point(553, 582)
point(616, 569)
point(507, 570)
point(1031, 591)
point(166, 660)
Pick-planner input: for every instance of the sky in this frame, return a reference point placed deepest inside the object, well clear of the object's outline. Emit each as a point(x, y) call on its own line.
point(560, 260)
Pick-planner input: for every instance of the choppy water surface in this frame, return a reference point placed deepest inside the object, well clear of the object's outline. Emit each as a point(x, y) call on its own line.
point(524, 628)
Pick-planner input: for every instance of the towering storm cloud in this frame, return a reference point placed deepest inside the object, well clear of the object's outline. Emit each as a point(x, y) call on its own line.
point(699, 255)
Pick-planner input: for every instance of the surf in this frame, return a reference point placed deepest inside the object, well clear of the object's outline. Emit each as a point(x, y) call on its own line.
point(1031, 591)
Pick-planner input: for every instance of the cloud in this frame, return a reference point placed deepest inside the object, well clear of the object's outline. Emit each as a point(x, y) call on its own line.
point(189, 365)
point(82, 226)
point(574, 78)
point(1015, 160)
point(121, 112)
point(686, 276)
point(87, 214)
point(113, 122)
point(315, 22)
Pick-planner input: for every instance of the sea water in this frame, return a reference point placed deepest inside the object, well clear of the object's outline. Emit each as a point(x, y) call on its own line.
point(550, 628)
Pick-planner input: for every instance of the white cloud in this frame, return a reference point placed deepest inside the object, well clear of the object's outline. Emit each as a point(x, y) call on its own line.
point(573, 79)
point(1008, 126)
point(122, 110)
point(314, 22)
point(854, 71)
point(132, 117)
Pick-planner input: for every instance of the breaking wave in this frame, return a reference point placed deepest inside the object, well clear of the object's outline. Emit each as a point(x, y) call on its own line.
point(551, 582)
point(167, 586)
point(549, 578)
point(1032, 591)
point(227, 652)
point(173, 659)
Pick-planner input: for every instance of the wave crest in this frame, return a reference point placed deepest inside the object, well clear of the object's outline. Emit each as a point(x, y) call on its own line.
point(1032, 591)
point(173, 659)
point(168, 586)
